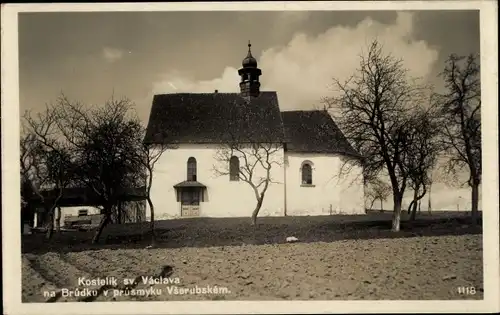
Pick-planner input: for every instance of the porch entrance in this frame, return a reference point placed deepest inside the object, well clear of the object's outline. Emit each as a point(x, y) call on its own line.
point(190, 194)
point(190, 202)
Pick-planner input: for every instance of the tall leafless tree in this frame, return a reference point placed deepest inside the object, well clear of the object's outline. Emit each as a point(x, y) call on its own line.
point(429, 201)
point(422, 153)
point(45, 162)
point(256, 160)
point(100, 139)
point(378, 190)
point(34, 175)
point(148, 155)
point(461, 120)
point(373, 108)
point(105, 137)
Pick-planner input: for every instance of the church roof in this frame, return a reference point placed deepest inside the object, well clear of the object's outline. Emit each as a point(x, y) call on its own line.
point(314, 131)
point(214, 118)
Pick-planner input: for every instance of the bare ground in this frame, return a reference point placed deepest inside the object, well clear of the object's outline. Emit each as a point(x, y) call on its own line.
point(333, 259)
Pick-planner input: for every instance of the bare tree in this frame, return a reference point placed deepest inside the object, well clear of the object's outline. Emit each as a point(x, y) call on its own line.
point(378, 190)
point(148, 155)
point(255, 161)
point(422, 153)
point(33, 173)
point(461, 120)
point(62, 172)
point(27, 208)
point(373, 108)
point(48, 160)
point(102, 140)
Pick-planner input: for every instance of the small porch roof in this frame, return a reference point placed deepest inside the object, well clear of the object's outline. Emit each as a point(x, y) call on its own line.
point(189, 183)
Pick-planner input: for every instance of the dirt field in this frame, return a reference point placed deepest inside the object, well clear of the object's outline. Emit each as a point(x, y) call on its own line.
point(225, 259)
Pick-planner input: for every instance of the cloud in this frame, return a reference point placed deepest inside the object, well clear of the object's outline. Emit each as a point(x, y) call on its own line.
point(287, 20)
point(112, 54)
point(302, 71)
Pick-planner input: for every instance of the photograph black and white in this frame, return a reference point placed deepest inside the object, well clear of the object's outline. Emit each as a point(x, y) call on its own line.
point(234, 154)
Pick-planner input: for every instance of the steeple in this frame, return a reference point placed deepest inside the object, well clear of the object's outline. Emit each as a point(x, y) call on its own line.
point(249, 73)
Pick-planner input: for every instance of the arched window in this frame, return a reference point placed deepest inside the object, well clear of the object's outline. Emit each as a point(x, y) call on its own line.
point(191, 169)
point(234, 168)
point(306, 174)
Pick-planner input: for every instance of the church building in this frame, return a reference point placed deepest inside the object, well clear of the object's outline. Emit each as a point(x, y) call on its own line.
point(199, 128)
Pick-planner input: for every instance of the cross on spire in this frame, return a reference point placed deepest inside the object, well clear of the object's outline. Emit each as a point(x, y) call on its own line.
point(249, 49)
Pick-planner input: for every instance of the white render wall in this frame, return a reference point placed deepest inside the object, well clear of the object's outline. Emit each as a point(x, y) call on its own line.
point(329, 194)
point(222, 198)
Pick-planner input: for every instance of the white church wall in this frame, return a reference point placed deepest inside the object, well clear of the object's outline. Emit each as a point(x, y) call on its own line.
point(328, 194)
point(222, 198)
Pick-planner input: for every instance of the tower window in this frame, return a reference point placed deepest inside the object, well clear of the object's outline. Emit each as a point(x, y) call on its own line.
point(191, 169)
point(234, 168)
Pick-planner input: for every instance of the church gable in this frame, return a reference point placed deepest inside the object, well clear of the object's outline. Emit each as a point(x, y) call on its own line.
point(314, 132)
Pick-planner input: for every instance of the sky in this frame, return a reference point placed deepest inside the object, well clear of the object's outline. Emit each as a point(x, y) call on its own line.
point(90, 56)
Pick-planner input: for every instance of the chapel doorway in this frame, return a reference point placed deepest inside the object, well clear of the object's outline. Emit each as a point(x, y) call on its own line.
point(190, 202)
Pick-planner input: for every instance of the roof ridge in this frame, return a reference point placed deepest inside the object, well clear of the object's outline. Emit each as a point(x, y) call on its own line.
point(303, 111)
point(208, 93)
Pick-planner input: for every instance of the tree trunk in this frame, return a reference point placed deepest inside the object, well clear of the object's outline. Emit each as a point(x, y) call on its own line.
point(152, 223)
point(414, 211)
point(429, 205)
point(50, 224)
point(58, 219)
point(102, 225)
point(475, 203)
point(256, 212)
point(371, 206)
point(410, 206)
point(31, 214)
point(381, 205)
point(419, 204)
point(120, 213)
point(396, 216)
point(414, 206)
point(51, 217)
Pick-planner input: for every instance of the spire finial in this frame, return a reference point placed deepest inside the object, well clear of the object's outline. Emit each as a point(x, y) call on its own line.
point(249, 61)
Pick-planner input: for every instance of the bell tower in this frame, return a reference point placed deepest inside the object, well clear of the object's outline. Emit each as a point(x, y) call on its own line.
point(249, 73)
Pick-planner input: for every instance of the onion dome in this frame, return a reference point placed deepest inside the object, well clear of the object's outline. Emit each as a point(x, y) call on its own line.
point(249, 61)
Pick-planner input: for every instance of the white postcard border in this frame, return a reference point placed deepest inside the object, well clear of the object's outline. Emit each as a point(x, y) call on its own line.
point(11, 236)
